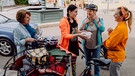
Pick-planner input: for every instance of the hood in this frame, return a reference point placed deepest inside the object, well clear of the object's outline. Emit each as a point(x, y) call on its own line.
point(9, 26)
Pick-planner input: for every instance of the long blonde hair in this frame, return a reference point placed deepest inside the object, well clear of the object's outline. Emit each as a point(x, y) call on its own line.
point(127, 14)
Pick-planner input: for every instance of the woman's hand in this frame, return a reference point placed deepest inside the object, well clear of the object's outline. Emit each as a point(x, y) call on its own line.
point(81, 35)
point(85, 22)
point(95, 17)
point(68, 52)
point(109, 30)
point(30, 40)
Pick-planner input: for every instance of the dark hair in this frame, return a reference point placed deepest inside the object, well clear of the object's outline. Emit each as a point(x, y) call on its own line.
point(92, 7)
point(70, 8)
point(21, 14)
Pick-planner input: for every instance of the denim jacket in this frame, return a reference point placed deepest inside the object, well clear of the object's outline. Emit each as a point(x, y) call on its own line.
point(20, 34)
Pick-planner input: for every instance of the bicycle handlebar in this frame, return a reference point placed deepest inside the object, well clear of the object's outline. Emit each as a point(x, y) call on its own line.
point(38, 43)
point(99, 62)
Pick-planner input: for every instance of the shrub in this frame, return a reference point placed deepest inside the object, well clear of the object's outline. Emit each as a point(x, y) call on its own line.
point(21, 2)
point(67, 2)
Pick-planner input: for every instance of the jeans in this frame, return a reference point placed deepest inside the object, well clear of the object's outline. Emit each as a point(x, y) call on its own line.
point(114, 68)
point(93, 53)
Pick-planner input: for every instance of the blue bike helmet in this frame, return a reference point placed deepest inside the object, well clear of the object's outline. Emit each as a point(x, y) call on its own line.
point(92, 7)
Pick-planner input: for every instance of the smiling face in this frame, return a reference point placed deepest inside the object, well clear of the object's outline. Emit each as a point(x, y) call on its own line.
point(73, 13)
point(117, 16)
point(26, 19)
point(90, 13)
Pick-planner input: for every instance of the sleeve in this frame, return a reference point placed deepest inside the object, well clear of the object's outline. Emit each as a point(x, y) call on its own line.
point(114, 39)
point(65, 30)
point(17, 38)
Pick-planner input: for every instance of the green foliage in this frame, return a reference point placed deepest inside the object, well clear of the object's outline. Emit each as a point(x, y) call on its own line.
point(21, 2)
point(67, 1)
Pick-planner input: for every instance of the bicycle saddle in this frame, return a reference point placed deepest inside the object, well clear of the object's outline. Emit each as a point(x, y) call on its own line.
point(102, 62)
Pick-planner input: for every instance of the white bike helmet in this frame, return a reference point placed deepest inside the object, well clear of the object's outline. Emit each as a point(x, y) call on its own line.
point(50, 41)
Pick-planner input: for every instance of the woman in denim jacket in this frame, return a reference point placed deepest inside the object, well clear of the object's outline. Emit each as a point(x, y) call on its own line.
point(24, 32)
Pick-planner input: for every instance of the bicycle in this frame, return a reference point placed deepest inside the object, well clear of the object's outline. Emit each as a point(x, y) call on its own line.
point(103, 51)
point(103, 62)
point(49, 64)
point(103, 55)
point(97, 62)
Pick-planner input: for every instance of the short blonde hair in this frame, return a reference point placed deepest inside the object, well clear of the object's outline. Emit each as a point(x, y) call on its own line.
point(21, 14)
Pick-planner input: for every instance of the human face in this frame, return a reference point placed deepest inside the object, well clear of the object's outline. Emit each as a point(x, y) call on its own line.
point(117, 16)
point(26, 19)
point(90, 13)
point(73, 14)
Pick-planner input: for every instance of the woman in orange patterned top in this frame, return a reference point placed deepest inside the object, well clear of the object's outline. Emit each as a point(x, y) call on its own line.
point(116, 42)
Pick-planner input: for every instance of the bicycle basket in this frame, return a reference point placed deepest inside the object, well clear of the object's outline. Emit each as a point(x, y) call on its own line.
point(35, 55)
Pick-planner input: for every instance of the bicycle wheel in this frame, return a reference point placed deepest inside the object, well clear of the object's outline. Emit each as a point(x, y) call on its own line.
point(86, 72)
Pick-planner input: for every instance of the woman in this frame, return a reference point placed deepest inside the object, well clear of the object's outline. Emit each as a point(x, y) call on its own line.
point(116, 42)
point(23, 33)
point(69, 29)
point(92, 45)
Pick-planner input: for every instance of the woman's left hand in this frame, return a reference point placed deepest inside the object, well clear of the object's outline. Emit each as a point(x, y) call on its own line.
point(30, 40)
point(109, 30)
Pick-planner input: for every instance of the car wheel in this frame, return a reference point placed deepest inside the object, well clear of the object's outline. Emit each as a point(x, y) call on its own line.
point(6, 47)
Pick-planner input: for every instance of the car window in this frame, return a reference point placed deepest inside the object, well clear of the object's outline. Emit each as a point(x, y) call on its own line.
point(3, 19)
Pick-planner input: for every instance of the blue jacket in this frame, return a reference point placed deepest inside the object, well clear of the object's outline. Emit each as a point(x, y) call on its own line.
point(99, 30)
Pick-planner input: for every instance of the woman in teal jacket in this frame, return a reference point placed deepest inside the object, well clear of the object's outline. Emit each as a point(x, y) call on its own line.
point(92, 45)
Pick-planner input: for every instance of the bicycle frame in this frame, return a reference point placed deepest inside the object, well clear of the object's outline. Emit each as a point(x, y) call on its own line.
point(97, 62)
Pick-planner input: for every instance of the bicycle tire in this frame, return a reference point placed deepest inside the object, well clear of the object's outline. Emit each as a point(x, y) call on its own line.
point(86, 72)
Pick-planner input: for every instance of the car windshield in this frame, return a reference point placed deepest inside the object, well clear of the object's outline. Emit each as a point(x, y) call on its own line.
point(3, 19)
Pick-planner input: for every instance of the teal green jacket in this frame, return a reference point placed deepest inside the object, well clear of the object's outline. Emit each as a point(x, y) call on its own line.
point(100, 29)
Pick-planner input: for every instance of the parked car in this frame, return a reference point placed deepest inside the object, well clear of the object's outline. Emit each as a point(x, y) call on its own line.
point(7, 45)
